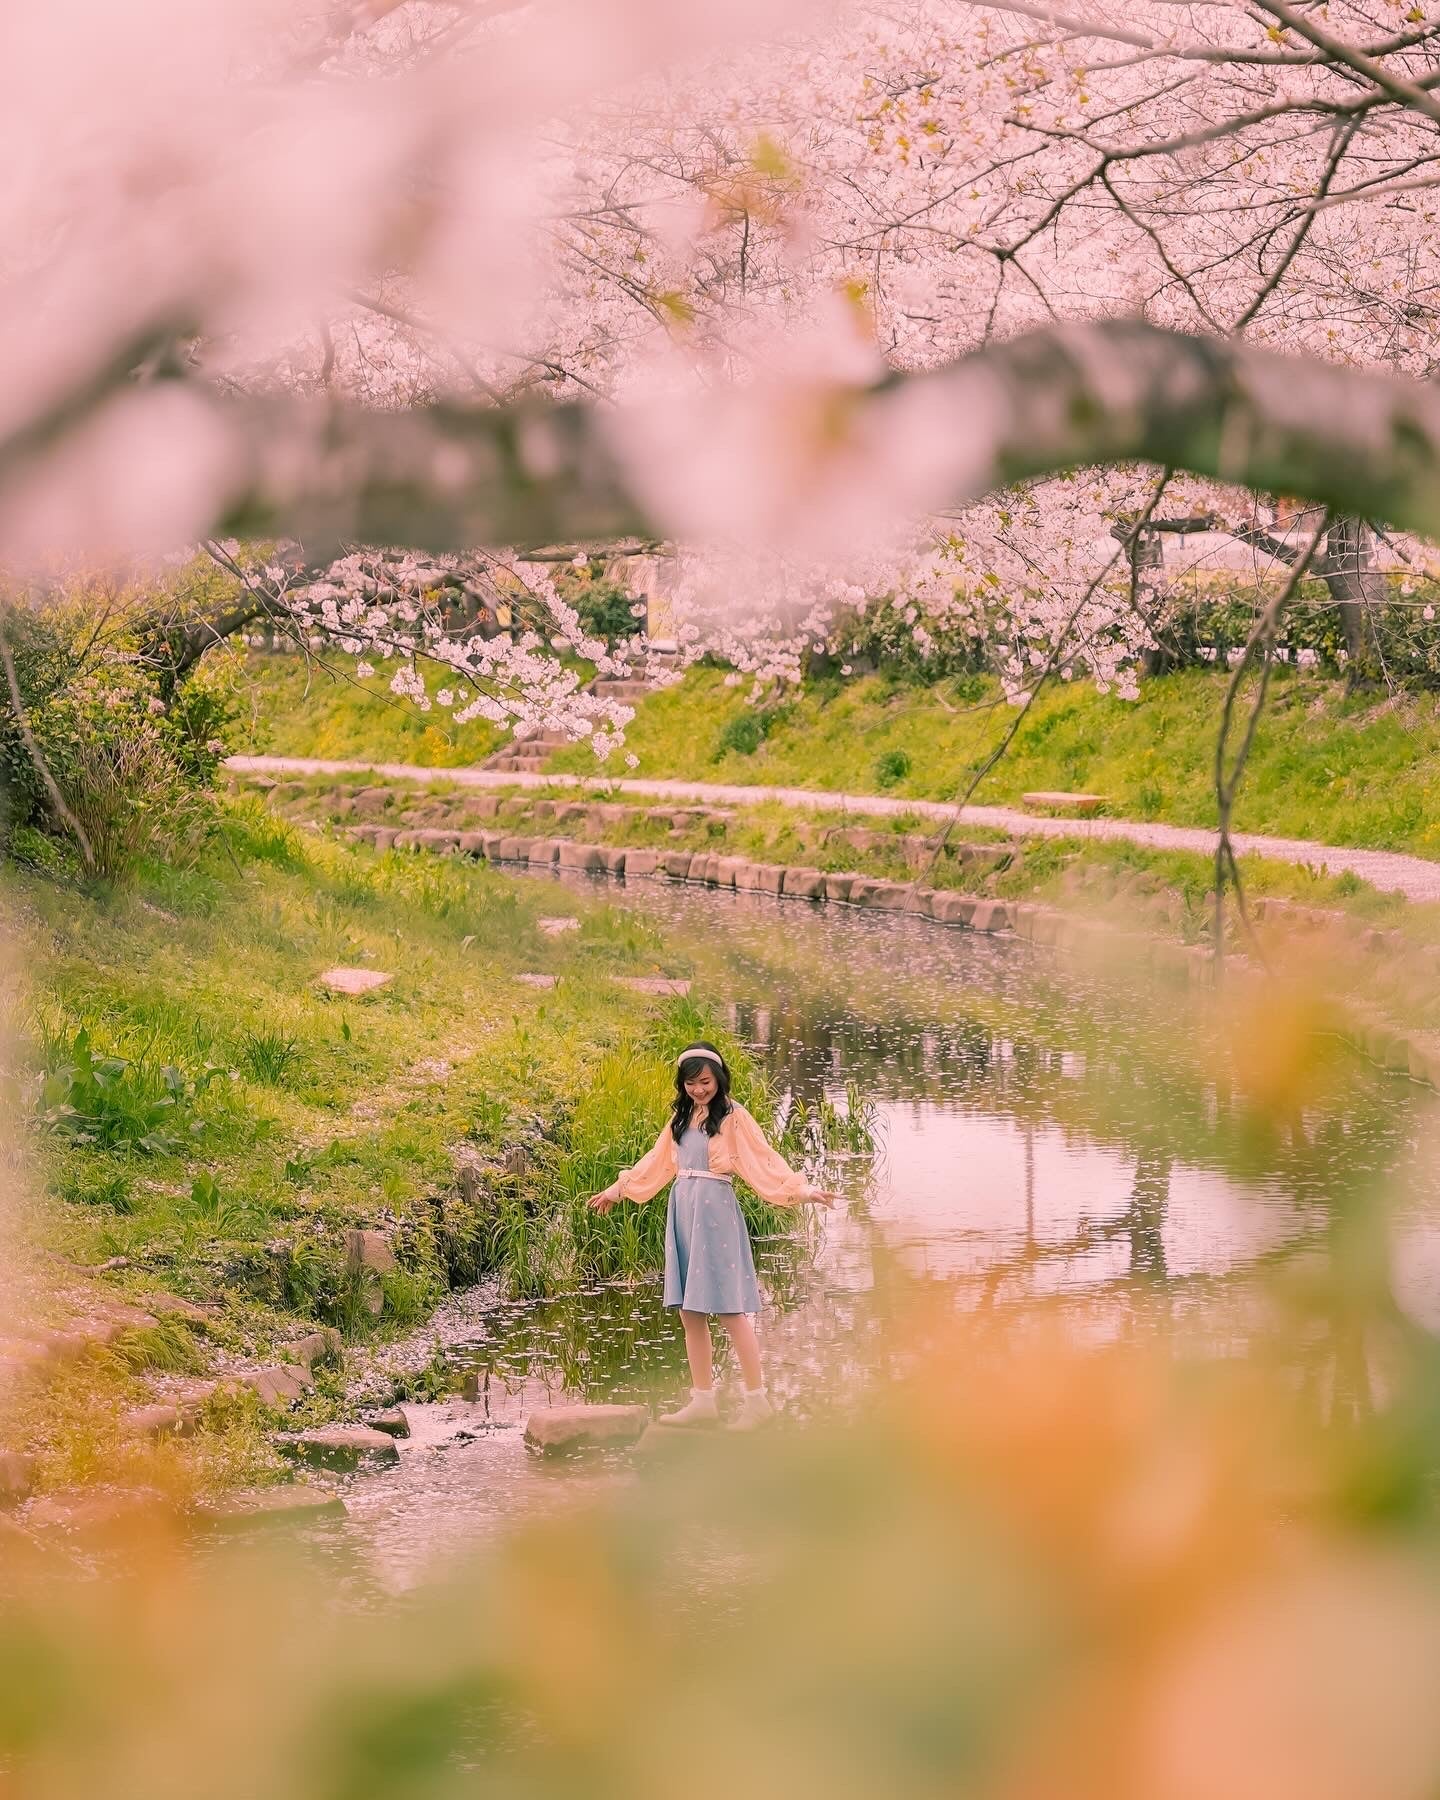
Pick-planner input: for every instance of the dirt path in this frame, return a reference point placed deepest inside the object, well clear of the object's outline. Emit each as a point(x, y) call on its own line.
point(1412, 876)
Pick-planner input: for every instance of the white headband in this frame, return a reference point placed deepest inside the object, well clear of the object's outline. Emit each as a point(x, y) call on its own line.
point(705, 1055)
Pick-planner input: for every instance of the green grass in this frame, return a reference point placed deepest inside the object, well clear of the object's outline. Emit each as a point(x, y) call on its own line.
point(1344, 770)
point(1324, 766)
point(299, 1113)
point(200, 1107)
point(297, 709)
point(1164, 893)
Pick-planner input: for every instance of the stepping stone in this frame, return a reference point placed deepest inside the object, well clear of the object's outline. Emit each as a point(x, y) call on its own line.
point(393, 1422)
point(279, 1386)
point(353, 981)
point(295, 1505)
point(655, 984)
point(85, 1509)
point(152, 1422)
point(17, 1476)
point(538, 981)
point(556, 927)
point(564, 1428)
point(1082, 804)
point(342, 1447)
point(316, 1346)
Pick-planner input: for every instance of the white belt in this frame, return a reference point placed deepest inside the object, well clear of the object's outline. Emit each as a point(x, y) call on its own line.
point(704, 1174)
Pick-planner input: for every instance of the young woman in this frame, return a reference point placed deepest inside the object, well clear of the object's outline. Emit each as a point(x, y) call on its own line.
point(709, 1269)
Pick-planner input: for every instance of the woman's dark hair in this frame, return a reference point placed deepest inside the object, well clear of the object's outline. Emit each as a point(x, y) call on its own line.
point(684, 1105)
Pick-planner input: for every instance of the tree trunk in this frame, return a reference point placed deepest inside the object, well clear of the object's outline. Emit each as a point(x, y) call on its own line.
point(1358, 589)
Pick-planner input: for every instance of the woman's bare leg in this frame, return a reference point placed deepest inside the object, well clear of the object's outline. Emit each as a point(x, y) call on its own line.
point(746, 1346)
point(698, 1350)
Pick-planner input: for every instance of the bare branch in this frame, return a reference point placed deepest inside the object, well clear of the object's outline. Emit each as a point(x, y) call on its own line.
point(36, 754)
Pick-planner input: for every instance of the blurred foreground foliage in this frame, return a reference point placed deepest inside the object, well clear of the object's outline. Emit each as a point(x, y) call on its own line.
point(1146, 1569)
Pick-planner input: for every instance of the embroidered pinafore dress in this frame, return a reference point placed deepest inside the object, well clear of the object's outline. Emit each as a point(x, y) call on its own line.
point(708, 1264)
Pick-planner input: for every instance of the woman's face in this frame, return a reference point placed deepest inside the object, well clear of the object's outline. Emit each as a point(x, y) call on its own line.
point(701, 1088)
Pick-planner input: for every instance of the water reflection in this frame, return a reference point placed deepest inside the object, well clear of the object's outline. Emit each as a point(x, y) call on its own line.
point(1048, 1131)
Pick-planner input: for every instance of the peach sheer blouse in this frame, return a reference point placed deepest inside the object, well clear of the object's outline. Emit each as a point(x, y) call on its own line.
point(738, 1148)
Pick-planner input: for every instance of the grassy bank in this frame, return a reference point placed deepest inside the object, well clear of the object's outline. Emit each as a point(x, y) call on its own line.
point(211, 1122)
point(293, 708)
point(1338, 769)
point(1162, 893)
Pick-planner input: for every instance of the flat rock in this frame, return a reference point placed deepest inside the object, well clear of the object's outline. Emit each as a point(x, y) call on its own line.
point(272, 1506)
point(990, 915)
point(278, 1386)
point(353, 981)
point(589, 858)
point(316, 1346)
point(17, 1477)
point(563, 1428)
point(1081, 804)
point(152, 1422)
point(557, 927)
point(538, 981)
point(655, 984)
point(342, 1447)
point(392, 1422)
point(90, 1509)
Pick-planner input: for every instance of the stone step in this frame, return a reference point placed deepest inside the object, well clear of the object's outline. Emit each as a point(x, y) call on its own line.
point(341, 1447)
point(1083, 805)
point(560, 1429)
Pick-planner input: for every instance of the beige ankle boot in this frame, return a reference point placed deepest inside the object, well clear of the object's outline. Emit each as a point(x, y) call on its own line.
point(755, 1411)
point(699, 1409)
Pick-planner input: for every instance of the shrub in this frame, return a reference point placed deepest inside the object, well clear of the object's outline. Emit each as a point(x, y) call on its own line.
point(110, 1102)
point(606, 608)
point(745, 733)
point(130, 750)
point(891, 768)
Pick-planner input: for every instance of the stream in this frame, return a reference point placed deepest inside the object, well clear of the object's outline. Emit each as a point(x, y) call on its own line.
point(1048, 1132)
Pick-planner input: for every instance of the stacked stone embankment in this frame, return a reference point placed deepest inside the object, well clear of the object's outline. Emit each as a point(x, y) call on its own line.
point(501, 829)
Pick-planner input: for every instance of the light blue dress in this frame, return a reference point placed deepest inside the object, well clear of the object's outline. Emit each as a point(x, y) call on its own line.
point(708, 1264)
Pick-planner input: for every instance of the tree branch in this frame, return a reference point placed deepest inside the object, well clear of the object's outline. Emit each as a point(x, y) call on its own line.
point(448, 477)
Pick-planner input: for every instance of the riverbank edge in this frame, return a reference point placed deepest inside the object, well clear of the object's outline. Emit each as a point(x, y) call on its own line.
point(64, 1356)
point(1413, 878)
point(1397, 1049)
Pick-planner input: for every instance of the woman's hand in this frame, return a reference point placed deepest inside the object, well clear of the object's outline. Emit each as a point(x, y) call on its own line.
point(602, 1203)
point(826, 1197)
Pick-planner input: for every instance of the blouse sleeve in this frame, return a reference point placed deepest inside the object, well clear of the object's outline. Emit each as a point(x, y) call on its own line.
point(653, 1171)
point(764, 1168)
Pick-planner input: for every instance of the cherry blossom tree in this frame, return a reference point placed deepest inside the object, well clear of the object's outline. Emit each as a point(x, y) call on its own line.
point(836, 303)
